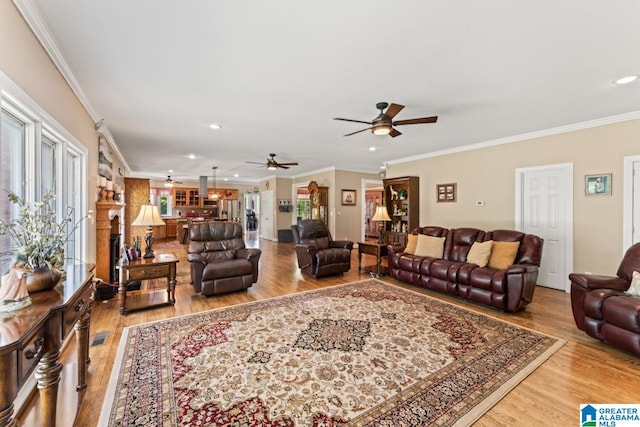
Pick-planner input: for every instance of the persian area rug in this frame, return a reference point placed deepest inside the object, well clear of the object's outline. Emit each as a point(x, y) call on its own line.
point(364, 353)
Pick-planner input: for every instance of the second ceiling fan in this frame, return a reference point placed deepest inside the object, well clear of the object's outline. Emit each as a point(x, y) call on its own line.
point(272, 164)
point(384, 124)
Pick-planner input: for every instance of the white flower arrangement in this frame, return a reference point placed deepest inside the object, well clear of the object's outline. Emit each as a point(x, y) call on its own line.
point(39, 239)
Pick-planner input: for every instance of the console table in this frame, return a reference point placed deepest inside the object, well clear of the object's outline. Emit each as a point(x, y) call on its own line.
point(159, 267)
point(376, 249)
point(31, 339)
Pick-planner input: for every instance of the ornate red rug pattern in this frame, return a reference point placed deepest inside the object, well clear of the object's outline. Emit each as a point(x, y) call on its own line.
point(364, 353)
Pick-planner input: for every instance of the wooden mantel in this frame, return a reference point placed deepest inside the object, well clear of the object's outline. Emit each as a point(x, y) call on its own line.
point(104, 210)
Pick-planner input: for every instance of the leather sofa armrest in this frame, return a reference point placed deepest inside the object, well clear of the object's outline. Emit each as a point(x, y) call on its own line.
point(253, 255)
point(521, 268)
point(394, 249)
point(196, 258)
point(592, 281)
point(306, 248)
point(248, 253)
point(346, 244)
point(197, 263)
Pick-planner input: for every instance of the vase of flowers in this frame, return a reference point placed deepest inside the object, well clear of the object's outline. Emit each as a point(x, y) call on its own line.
point(38, 239)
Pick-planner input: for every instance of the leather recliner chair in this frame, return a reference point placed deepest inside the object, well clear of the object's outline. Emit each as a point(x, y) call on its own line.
point(318, 254)
point(219, 260)
point(603, 310)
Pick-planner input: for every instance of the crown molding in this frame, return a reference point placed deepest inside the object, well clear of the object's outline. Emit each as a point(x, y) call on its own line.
point(33, 18)
point(523, 137)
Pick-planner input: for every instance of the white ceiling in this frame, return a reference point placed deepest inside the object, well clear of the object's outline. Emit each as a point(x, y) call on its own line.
point(274, 75)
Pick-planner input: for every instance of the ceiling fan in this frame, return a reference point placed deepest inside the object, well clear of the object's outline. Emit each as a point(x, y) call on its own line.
point(272, 164)
point(169, 182)
point(383, 124)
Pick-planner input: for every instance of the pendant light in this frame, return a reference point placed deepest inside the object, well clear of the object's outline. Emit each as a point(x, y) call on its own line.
point(214, 194)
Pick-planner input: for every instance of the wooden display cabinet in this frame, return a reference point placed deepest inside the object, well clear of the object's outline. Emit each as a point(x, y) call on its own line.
point(319, 202)
point(403, 205)
point(186, 198)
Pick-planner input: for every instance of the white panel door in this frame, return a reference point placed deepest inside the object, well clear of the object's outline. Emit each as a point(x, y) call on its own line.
point(266, 215)
point(545, 213)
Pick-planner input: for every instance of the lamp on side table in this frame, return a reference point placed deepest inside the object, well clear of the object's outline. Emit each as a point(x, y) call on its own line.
point(149, 215)
point(381, 216)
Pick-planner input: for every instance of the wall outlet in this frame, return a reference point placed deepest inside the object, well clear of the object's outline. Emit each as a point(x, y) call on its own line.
point(479, 202)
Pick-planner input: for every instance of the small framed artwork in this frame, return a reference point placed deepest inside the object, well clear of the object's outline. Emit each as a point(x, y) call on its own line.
point(348, 197)
point(446, 192)
point(105, 158)
point(599, 184)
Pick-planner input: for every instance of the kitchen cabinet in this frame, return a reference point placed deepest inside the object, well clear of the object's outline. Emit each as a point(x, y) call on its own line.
point(186, 198)
point(172, 227)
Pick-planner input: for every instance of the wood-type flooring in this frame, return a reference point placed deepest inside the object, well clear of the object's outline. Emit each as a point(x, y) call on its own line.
point(583, 371)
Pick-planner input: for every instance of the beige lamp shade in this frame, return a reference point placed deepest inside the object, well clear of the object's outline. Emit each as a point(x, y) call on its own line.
point(149, 215)
point(381, 214)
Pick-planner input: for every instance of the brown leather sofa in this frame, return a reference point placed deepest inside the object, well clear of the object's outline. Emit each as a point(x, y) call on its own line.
point(318, 254)
point(509, 289)
point(603, 310)
point(219, 260)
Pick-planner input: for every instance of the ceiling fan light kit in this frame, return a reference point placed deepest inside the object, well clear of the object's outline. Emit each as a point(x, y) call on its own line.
point(384, 124)
point(273, 165)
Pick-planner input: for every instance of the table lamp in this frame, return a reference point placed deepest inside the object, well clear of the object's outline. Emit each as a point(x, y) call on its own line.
point(381, 216)
point(149, 215)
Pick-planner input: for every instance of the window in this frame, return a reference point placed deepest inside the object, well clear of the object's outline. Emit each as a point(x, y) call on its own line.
point(38, 156)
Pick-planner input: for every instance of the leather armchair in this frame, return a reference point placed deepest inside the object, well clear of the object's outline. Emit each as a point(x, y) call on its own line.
point(603, 310)
point(318, 254)
point(219, 260)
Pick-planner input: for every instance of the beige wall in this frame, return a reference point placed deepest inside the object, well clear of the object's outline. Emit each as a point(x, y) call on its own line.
point(349, 219)
point(26, 63)
point(489, 174)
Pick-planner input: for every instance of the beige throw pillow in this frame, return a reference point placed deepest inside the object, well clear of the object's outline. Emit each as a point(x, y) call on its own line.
point(429, 246)
point(479, 253)
point(503, 254)
point(634, 289)
point(412, 242)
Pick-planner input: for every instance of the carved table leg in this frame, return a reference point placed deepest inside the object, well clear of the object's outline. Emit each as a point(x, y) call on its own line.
point(82, 328)
point(48, 376)
point(172, 289)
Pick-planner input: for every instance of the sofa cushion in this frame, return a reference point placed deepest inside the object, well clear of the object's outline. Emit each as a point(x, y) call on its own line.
point(429, 246)
point(412, 242)
point(634, 288)
point(230, 268)
point(479, 253)
point(503, 254)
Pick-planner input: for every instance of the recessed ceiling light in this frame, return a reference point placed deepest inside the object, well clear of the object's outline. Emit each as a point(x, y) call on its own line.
point(235, 175)
point(372, 148)
point(170, 171)
point(226, 179)
point(383, 167)
point(191, 156)
point(215, 126)
point(625, 80)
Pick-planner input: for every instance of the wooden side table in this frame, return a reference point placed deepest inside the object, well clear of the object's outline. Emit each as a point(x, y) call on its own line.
point(376, 249)
point(159, 267)
point(32, 338)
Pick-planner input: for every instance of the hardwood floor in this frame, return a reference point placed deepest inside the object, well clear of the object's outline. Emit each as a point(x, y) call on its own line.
point(583, 371)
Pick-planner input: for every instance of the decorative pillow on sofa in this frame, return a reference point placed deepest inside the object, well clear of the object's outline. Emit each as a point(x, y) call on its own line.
point(479, 253)
point(429, 246)
point(503, 254)
point(634, 289)
point(412, 242)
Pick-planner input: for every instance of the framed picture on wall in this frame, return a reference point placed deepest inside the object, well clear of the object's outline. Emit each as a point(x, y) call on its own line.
point(446, 192)
point(348, 197)
point(599, 184)
point(105, 159)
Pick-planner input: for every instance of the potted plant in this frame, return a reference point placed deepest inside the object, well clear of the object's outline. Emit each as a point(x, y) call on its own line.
point(38, 239)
